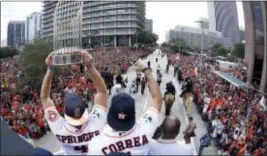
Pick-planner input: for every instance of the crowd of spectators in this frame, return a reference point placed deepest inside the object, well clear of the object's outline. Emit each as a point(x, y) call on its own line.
point(236, 120)
point(20, 105)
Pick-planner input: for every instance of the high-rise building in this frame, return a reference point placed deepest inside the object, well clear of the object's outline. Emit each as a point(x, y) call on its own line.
point(33, 27)
point(149, 25)
point(104, 23)
point(16, 33)
point(223, 17)
point(193, 36)
point(48, 19)
point(255, 14)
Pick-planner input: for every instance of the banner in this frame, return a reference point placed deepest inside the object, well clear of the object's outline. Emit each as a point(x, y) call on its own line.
point(263, 103)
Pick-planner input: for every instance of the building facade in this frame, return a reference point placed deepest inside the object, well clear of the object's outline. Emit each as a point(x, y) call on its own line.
point(16, 33)
point(192, 37)
point(104, 23)
point(48, 19)
point(33, 27)
point(255, 14)
point(149, 25)
point(223, 17)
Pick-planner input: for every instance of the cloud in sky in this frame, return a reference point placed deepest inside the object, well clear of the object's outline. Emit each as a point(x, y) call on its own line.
point(165, 15)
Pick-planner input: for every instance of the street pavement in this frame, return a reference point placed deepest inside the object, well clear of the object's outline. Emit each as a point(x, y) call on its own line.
point(49, 141)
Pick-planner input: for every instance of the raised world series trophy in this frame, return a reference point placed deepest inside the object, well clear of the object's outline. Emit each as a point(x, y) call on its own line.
point(67, 33)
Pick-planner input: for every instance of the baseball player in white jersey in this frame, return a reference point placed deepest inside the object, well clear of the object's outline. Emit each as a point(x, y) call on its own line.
point(123, 133)
point(78, 127)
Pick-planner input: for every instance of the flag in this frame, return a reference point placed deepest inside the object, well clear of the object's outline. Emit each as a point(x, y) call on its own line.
point(263, 103)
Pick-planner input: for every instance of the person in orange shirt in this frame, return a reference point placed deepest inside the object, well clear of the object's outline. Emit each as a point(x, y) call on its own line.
point(213, 104)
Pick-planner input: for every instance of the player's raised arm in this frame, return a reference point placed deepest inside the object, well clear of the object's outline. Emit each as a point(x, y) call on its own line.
point(154, 88)
point(46, 85)
point(101, 95)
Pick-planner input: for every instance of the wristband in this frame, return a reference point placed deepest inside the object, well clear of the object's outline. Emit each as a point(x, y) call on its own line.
point(52, 68)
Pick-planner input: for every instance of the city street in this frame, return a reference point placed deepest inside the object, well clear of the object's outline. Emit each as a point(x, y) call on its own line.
point(143, 102)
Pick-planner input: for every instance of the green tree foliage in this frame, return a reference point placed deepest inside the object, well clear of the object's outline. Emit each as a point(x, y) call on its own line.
point(164, 44)
point(8, 52)
point(239, 51)
point(219, 50)
point(33, 62)
point(146, 38)
point(177, 44)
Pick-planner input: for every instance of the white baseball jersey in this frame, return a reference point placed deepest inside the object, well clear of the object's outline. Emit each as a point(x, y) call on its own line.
point(170, 147)
point(72, 140)
point(135, 141)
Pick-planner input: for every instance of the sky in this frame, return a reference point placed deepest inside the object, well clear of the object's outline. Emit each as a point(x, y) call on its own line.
point(165, 15)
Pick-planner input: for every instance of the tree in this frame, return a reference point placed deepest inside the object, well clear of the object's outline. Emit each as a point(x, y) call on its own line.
point(146, 38)
point(33, 62)
point(8, 52)
point(177, 44)
point(219, 50)
point(239, 50)
point(164, 44)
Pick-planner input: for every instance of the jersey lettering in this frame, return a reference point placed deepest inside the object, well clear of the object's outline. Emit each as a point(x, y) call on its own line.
point(125, 144)
point(82, 149)
point(77, 139)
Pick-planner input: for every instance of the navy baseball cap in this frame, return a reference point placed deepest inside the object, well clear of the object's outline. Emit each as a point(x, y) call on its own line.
point(41, 151)
point(75, 111)
point(121, 115)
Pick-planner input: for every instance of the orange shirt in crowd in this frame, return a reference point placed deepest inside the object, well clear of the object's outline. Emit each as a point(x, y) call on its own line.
point(220, 102)
point(213, 104)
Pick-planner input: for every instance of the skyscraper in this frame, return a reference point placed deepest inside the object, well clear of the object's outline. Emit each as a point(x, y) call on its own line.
point(223, 17)
point(149, 25)
point(16, 33)
point(255, 14)
point(104, 23)
point(48, 19)
point(33, 27)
